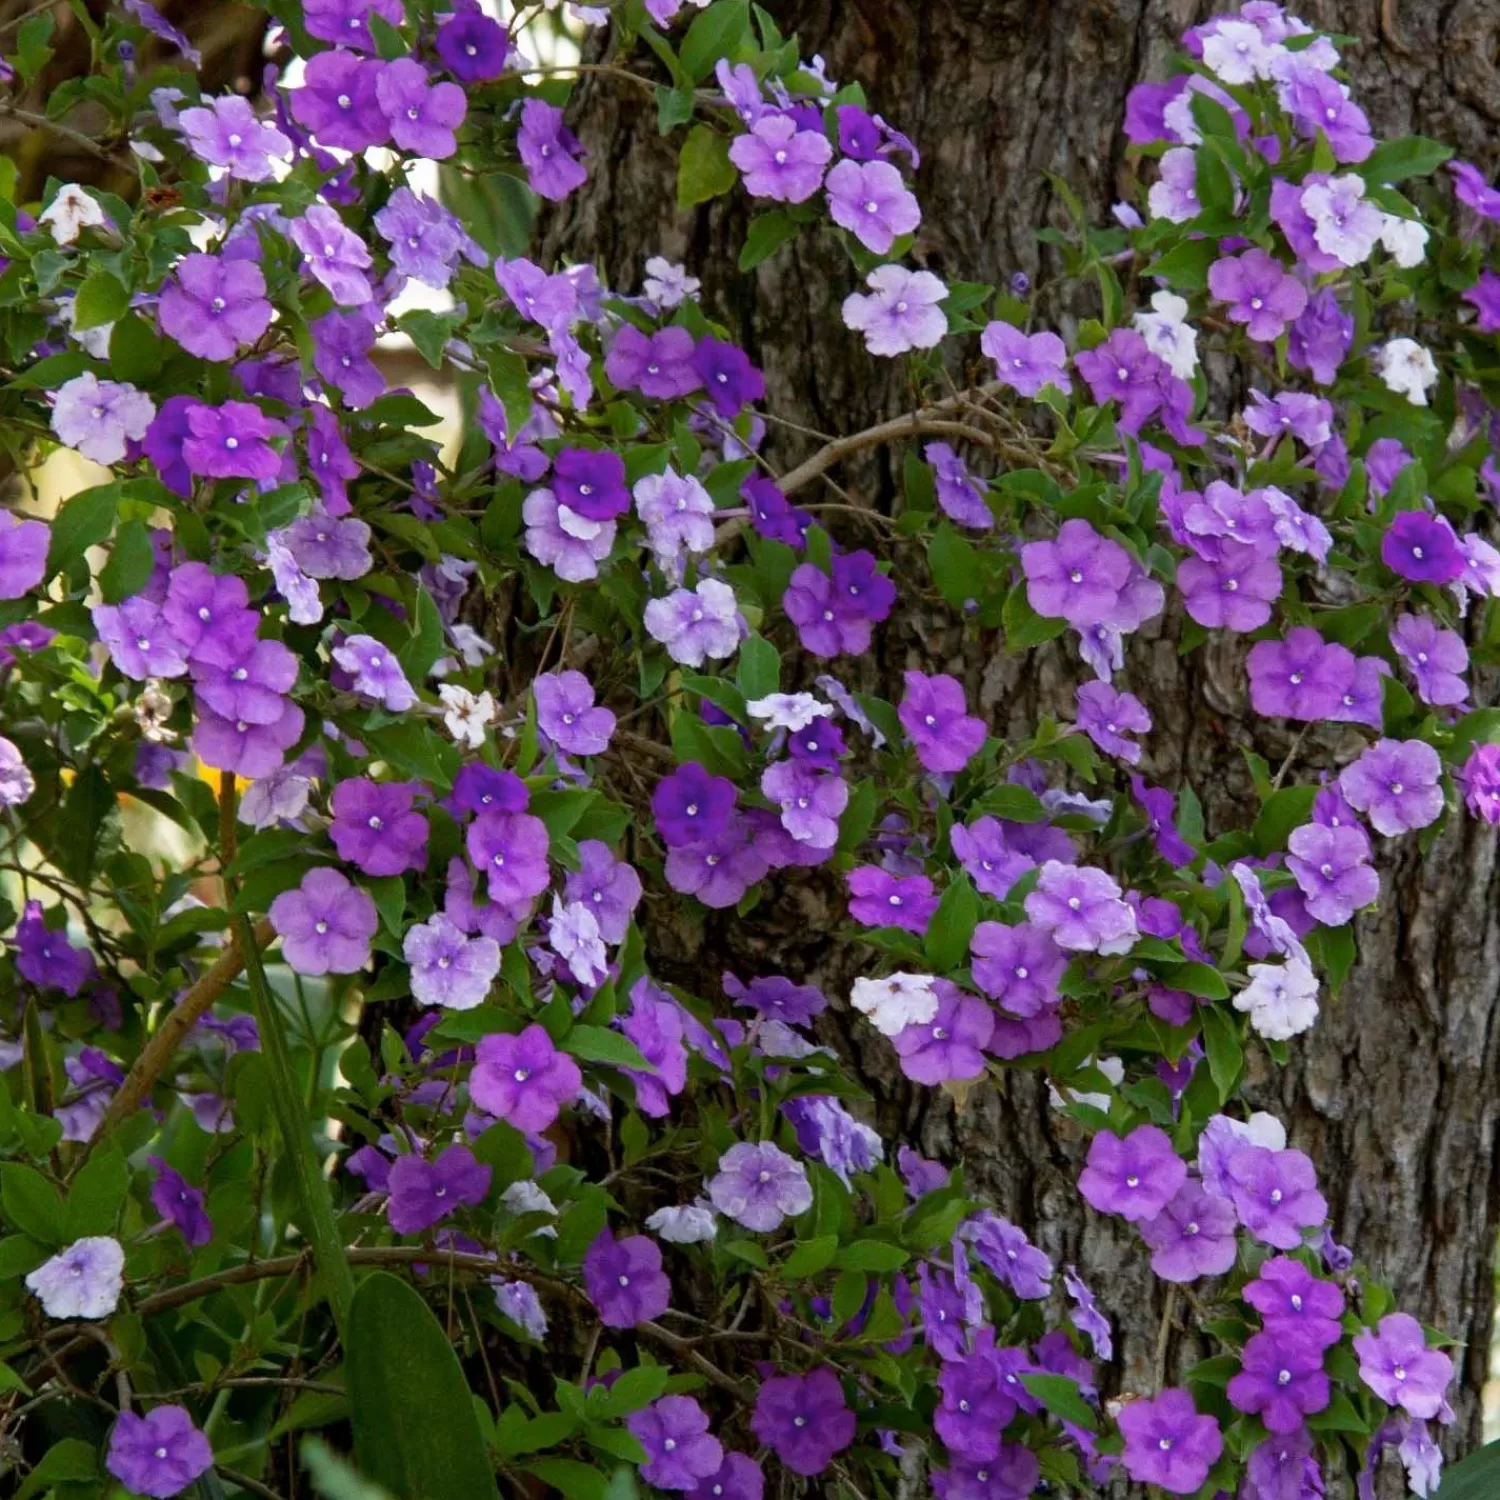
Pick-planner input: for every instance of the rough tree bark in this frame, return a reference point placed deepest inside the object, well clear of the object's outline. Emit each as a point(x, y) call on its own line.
point(1395, 1093)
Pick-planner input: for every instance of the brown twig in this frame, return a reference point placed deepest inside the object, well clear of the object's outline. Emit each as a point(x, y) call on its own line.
point(158, 1052)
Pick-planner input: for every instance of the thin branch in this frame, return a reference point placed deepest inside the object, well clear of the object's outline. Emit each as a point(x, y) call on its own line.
point(63, 132)
point(245, 1482)
point(158, 1052)
point(916, 424)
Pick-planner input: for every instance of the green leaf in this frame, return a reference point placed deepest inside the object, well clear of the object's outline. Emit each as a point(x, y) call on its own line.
point(572, 1479)
point(415, 1431)
point(131, 560)
point(1062, 1398)
point(1024, 627)
point(83, 522)
point(429, 333)
point(873, 1255)
point(716, 33)
point(71, 1461)
point(101, 299)
point(704, 169)
point(947, 942)
point(30, 1203)
point(598, 1044)
point(1284, 810)
point(766, 235)
point(1222, 1043)
point(810, 1257)
point(1476, 1477)
point(759, 669)
point(426, 644)
point(634, 1389)
point(955, 565)
point(1195, 979)
point(333, 1477)
point(1394, 161)
point(97, 1194)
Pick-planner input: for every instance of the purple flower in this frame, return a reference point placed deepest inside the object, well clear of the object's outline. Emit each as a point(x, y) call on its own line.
point(1281, 1379)
point(957, 492)
point(731, 381)
point(1480, 781)
point(739, 1477)
point(717, 870)
point(100, 418)
point(590, 482)
point(140, 643)
point(425, 238)
point(180, 1204)
point(880, 899)
point(900, 313)
point(872, 202)
point(342, 341)
point(759, 1186)
point(159, 1454)
point(46, 957)
point(325, 924)
point(679, 1448)
point(1124, 369)
point(827, 1131)
point(523, 1079)
point(1008, 1255)
point(951, 1044)
point(82, 1281)
point(1086, 1316)
point(1192, 1236)
point(1288, 1296)
point(988, 850)
point(1011, 1475)
point(803, 1419)
point(376, 672)
point(608, 887)
point(571, 545)
point(1301, 677)
point(1261, 293)
point(1080, 575)
point(247, 748)
point(655, 1025)
point(232, 441)
point(1331, 870)
point(659, 366)
point(810, 801)
point(374, 827)
point(625, 1281)
point(338, 104)
point(1396, 784)
point(1020, 967)
point(423, 1192)
point(1168, 1443)
point(1321, 337)
point(23, 554)
point(781, 161)
point(549, 151)
point(1437, 659)
point(1395, 1362)
point(1307, 418)
point(473, 46)
point(1275, 1194)
point(422, 115)
point(211, 306)
point(511, 849)
point(696, 624)
point(932, 713)
point(1026, 362)
point(1107, 717)
point(449, 968)
point(691, 806)
point(1422, 547)
point(16, 782)
point(1135, 1177)
point(1485, 296)
point(1316, 103)
point(334, 254)
point(1082, 909)
point(347, 22)
point(977, 1402)
point(228, 133)
point(566, 713)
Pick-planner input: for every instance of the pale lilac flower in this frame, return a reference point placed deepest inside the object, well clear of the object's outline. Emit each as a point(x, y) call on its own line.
point(1026, 362)
point(574, 936)
point(780, 161)
point(1082, 908)
point(698, 624)
point(449, 968)
point(571, 545)
point(896, 1002)
point(99, 417)
point(688, 1224)
point(1282, 999)
point(760, 1186)
point(83, 1281)
point(1396, 784)
point(334, 254)
point(1175, 195)
point(901, 311)
point(226, 132)
point(376, 672)
point(16, 782)
point(667, 284)
point(678, 513)
point(1346, 224)
point(871, 201)
point(520, 1302)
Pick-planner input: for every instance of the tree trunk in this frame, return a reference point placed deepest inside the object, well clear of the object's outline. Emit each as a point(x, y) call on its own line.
point(1395, 1093)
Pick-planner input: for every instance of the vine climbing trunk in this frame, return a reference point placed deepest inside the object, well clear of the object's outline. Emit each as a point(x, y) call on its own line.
point(1396, 1093)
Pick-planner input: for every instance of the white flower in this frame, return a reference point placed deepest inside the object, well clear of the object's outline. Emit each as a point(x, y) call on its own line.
point(471, 645)
point(1404, 239)
point(1113, 1069)
point(518, 1301)
point(791, 711)
point(1408, 369)
point(528, 1198)
point(896, 1002)
point(94, 341)
point(667, 283)
point(1282, 999)
point(689, 1224)
point(70, 213)
point(1168, 335)
point(468, 715)
point(83, 1281)
point(1237, 53)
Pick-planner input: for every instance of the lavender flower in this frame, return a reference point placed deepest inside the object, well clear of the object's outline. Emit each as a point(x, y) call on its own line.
point(448, 968)
point(901, 312)
point(680, 1451)
point(523, 1080)
point(83, 1281)
point(625, 1281)
point(1168, 1443)
point(325, 924)
point(759, 1186)
point(1135, 1177)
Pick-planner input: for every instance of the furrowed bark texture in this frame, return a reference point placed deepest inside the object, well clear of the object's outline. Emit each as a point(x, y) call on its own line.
point(1395, 1093)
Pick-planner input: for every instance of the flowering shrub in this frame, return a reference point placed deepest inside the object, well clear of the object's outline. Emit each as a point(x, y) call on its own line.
point(436, 731)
